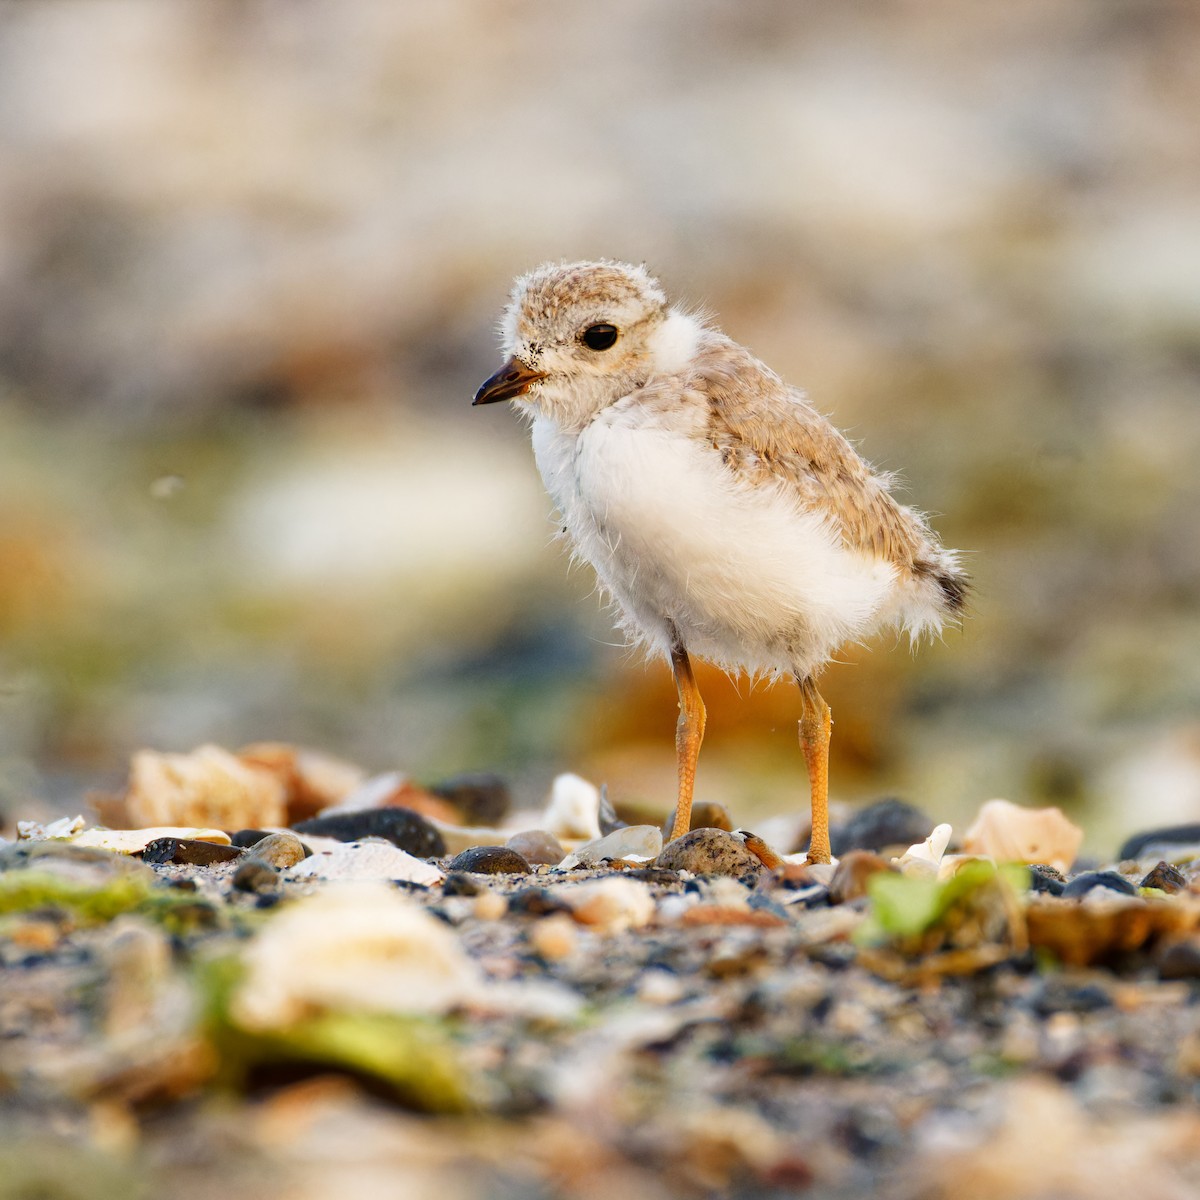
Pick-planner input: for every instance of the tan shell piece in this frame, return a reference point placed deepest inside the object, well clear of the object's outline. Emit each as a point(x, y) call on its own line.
point(1009, 833)
point(208, 787)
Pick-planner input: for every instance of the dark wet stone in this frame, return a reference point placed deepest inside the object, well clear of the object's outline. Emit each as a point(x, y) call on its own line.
point(281, 850)
point(878, 826)
point(1064, 994)
point(709, 852)
point(536, 902)
point(400, 826)
point(1165, 877)
point(1046, 879)
point(256, 876)
point(188, 851)
point(1082, 884)
point(458, 884)
point(761, 902)
point(490, 860)
point(481, 797)
point(1168, 835)
point(1180, 960)
point(245, 838)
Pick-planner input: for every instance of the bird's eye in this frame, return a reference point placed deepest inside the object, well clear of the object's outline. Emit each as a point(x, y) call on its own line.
point(599, 337)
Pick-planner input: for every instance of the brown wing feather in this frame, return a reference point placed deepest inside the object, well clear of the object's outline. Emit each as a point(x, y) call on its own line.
point(781, 437)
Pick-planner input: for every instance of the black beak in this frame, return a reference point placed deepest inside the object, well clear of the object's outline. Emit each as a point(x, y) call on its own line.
point(512, 380)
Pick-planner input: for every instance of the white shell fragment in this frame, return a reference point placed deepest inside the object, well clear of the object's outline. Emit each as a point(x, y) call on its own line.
point(574, 809)
point(134, 841)
point(925, 857)
point(35, 831)
point(1009, 833)
point(639, 842)
point(366, 860)
point(354, 947)
point(611, 905)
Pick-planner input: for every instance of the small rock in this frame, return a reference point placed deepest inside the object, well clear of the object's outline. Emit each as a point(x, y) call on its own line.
point(631, 841)
point(481, 798)
point(1140, 844)
point(554, 938)
point(243, 839)
point(1180, 960)
point(280, 850)
point(1044, 878)
point(1082, 884)
point(709, 852)
point(537, 847)
point(460, 884)
point(536, 902)
point(1065, 994)
point(489, 906)
point(189, 852)
point(849, 881)
point(255, 876)
point(880, 826)
point(1166, 878)
point(490, 860)
point(405, 829)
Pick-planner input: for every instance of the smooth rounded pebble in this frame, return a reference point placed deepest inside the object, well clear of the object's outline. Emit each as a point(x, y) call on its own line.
point(878, 826)
point(255, 876)
point(1169, 835)
point(280, 850)
point(709, 852)
point(490, 860)
point(536, 846)
point(481, 797)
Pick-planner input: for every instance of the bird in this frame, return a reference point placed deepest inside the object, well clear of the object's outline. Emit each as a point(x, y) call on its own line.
point(725, 516)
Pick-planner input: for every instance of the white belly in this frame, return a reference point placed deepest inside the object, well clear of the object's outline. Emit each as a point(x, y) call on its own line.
point(746, 577)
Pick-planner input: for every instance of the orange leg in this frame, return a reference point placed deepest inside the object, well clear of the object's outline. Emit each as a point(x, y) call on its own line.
point(689, 733)
point(814, 741)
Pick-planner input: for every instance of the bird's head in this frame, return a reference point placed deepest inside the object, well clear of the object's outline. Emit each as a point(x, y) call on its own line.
point(579, 336)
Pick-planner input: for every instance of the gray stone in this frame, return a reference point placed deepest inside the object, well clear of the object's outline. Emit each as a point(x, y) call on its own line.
point(405, 829)
point(881, 825)
point(255, 876)
point(481, 797)
point(709, 852)
point(537, 846)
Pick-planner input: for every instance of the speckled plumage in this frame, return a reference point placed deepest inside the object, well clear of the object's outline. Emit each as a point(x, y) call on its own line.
point(724, 514)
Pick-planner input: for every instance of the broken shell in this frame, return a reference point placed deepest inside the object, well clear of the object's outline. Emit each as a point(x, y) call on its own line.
point(641, 842)
point(356, 947)
point(368, 860)
point(208, 787)
point(1009, 833)
point(574, 809)
point(925, 858)
point(611, 905)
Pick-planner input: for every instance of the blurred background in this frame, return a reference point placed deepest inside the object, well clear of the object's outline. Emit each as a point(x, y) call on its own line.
point(251, 260)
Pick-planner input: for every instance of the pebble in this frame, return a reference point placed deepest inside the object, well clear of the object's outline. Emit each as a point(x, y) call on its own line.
point(280, 850)
point(1082, 884)
point(554, 938)
point(1169, 835)
point(631, 841)
point(1166, 878)
point(536, 902)
point(880, 826)
point(459, 884)
point(1043, 878)
point(490, 860)
point(189, 852)
point(481, 797)
point(709, 852)
point(1180, 960)
point(537, 847)
point(489, 906)
point(856, 867)
point(407, 830)
point(255, 876)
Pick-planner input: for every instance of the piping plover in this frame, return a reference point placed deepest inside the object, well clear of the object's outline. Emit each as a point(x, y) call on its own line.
point(727, 517)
